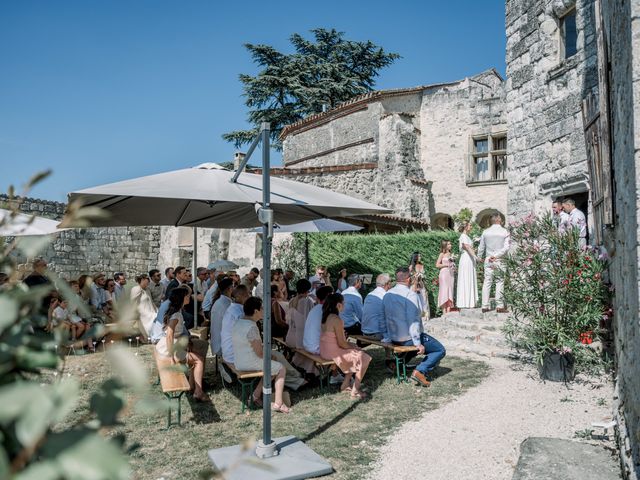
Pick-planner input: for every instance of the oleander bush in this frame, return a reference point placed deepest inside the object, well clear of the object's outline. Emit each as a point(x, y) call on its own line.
point(556, 292)
point(380, 253)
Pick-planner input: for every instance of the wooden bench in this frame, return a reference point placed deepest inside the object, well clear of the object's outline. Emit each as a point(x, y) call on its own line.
point(247, 380)
point(173, 383)
point(398, 353)
point(324, 366)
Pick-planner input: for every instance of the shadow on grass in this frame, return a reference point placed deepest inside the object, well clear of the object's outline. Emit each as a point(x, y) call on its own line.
point(323, 428)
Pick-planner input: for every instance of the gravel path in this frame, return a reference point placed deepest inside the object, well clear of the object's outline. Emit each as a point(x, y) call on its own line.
point(478, 435)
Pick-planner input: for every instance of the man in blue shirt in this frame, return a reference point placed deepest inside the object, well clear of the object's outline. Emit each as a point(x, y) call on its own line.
point(374, 324)
point(351, 315)
point(404, 326)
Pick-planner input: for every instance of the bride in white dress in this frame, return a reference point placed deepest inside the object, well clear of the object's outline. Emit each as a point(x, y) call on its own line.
point(467, 292)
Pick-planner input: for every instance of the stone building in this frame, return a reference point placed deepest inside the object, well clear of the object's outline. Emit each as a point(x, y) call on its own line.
point(558, 54)
point(425, 152)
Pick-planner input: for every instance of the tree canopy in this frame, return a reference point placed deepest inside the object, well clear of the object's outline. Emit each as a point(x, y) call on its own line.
point(321, 73)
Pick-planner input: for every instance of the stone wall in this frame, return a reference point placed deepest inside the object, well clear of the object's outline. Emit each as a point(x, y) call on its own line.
point(547, 155)
point(623, 28)
point(84, 251)
point(418, 138)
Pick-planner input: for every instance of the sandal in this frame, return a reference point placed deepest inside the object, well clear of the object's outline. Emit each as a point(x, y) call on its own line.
point(257, 401)
point(282, 408)
point(359, 395)
point(203, 399)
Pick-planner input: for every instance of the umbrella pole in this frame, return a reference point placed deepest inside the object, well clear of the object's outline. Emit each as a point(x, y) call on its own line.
point(194, 267)
point(306, 255)
point(267, 448)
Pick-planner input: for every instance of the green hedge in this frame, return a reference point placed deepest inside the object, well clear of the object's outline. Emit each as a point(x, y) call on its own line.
point(377, 253)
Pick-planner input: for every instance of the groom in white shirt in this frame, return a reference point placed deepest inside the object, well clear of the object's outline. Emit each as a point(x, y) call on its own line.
point(495, 243)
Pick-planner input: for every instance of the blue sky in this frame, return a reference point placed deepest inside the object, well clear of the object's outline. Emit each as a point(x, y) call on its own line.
point(104, 91)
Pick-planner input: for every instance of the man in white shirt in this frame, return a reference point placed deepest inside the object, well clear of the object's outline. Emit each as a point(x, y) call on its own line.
point(374, 324)
point(495, 243)
point(231, 316)
point(560, 217)
point(577, 220)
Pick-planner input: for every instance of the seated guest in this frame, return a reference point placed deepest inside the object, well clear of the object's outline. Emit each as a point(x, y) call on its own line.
point(320, 279)
point(36, 278)
point(239, 295)
point(404, 326)
point(334, 346)
point(250, 280)
point(120, 280)
point(282, 285)
point(202, 275)
point(174, 345)
point(312, 327)
point(342, 284)
point(288, 278)
point(109, 305)
point(351, 315)
point(155, 287)
point(207, 302)
point(374, 324)
point(168, 276)
point(60, 318)
point(248, 352)
point(145, 308)
point(84, 282)
point(222, 301)
point(279, 326)
point(81, 324)
point(179, 278)
point(299, 308)
point(98, 297)
point(211, 276)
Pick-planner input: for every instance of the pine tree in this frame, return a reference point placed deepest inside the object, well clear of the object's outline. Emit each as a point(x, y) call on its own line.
point(321, 73)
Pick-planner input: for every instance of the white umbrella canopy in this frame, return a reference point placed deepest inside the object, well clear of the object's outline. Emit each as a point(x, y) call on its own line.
point(204, 196)
point(222, 265)
point(22, 225)
point(315, 226)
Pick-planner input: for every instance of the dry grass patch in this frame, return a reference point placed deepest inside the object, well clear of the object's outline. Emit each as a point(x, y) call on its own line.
point(347, 433)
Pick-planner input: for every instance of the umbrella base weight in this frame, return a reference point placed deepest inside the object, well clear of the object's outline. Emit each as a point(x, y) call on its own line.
point(266, 451)
point(294, 461)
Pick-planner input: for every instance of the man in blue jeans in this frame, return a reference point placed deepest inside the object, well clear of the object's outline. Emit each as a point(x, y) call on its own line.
point(404, 326)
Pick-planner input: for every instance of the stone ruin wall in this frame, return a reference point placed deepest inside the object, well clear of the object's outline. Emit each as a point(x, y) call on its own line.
point(84, 251)
point(547, 154)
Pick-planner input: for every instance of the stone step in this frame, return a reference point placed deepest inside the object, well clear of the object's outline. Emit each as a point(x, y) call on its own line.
point(471, 336)
point(466, 323)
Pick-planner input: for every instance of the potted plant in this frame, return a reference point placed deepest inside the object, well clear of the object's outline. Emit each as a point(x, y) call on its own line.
point(557, 296)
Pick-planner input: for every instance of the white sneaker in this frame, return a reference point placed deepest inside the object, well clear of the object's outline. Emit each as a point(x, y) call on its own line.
point(224, 374)
point(336, 379)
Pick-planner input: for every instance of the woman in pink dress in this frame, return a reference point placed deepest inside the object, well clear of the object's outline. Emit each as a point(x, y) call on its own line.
point(445, 279)
point(334, 346)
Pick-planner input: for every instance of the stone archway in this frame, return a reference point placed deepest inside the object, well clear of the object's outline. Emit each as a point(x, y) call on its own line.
point(484, 217)
point(441, 221)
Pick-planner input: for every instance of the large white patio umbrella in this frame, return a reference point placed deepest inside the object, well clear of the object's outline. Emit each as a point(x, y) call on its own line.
point(23, 225)
point(211, 197)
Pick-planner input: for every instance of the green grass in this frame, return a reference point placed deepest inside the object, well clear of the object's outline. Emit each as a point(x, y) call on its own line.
point(345, 432)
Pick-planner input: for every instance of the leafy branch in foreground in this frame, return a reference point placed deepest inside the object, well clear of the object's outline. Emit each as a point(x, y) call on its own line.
point(32, 445)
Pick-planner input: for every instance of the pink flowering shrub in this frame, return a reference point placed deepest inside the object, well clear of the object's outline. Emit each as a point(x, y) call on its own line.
point(555, 290)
